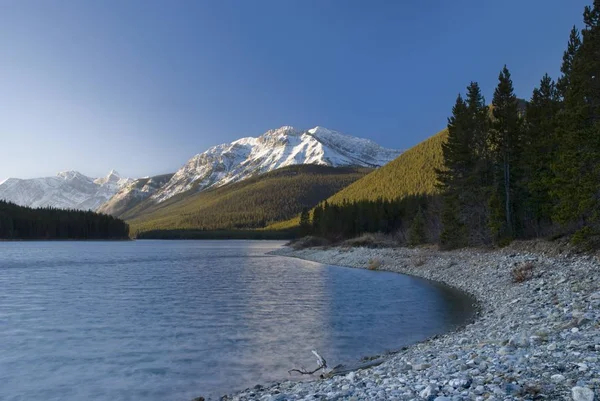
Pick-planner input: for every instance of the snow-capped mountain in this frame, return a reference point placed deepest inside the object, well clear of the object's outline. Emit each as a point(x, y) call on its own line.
point(133, 193)
point(276, 148)
point(66, 190)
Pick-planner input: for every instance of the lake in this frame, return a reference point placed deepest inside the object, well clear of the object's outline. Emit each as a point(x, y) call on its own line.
point(173, 320)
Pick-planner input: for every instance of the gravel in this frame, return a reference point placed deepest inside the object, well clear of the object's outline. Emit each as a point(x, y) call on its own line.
point(534, 340)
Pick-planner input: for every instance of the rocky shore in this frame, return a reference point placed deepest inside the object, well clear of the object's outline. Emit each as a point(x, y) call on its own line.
point(537, 335)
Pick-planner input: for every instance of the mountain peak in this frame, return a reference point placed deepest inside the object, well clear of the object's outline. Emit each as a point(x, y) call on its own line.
point(113, 175)
point(276, 148)
point(70, 174)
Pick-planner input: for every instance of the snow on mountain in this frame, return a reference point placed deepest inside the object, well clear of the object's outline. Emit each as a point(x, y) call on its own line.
point(133, 193)
point(66, 190)
point(276, 148)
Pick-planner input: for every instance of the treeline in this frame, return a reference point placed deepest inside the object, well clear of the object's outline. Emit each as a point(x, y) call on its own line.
point(250, 204)
point(18, 222)
point(219, 234)
point(510, 170)
point(408, 219)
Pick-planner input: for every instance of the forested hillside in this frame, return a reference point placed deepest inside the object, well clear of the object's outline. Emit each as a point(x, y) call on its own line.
point(18, 222)
point(411, 173)
point(249, 204)
point(503, 172)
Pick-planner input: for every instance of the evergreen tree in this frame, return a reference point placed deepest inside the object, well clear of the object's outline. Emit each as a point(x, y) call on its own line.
point(416, 234)
point(567, 64)
point(578, 166)
point(453, 233)
point(316, 220)
point(506, 141)
point(305, 225)
point(539, 138)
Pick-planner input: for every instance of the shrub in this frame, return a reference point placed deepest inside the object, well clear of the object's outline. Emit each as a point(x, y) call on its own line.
point(522, 272)
point(377, 240)
point(374, 264)
point(419, 260)
point(308, 242)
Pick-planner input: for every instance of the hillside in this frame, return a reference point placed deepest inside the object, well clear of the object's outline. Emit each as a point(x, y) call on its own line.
point(411, 173)
point(252, 203)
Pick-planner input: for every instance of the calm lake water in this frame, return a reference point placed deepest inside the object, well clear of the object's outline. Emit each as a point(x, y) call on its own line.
point(172, 320)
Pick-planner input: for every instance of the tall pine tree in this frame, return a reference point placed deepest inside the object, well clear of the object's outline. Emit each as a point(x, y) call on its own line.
point(577, 169)
point(540, 141)
point(505, 137)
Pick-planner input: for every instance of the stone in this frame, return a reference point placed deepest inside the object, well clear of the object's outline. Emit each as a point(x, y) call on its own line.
point(557, 378)
point(428, 391)
point(582, 394)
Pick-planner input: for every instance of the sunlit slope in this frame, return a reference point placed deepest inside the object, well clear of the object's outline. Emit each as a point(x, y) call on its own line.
point(252, 203)
point(411, 173)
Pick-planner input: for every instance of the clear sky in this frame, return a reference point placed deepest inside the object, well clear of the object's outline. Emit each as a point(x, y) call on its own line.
point(141, 86)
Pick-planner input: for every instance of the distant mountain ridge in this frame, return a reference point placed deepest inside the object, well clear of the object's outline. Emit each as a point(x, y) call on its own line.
point(285, 146)
point(133, 194)
point(219, 165)
point(66, 190)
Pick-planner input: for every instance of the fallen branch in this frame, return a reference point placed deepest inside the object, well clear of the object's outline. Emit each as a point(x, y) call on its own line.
point(320, 361)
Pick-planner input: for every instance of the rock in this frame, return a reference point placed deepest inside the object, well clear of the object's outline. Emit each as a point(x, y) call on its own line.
point(442, 398)
point(582, 394)
point(519, 340)
point(421, 366)
point(460, 383)
point(428, 391)
point(557, 378)
point(512, 389)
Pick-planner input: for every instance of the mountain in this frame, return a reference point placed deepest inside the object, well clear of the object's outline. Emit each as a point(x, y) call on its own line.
point(285, 146)
point(66, 190)
point(411, 173)
point(133, 193)
point(251, 203)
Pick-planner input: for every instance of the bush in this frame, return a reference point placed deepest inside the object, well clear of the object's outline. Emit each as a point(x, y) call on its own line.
point(522, 273)
point(308, 242)
point(419, 260)
point(374, 264)
point(377, 240)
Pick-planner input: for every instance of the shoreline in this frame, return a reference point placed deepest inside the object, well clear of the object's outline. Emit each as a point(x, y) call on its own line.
point(539, 339)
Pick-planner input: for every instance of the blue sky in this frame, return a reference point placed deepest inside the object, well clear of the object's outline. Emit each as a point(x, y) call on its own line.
point(141, 86)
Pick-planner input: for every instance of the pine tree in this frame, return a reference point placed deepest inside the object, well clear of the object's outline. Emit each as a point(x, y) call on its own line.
point(456, 149)
point(453, 233)
point(567, 65)
point(505, 138)
point(416, 233)
point(305, 225)
point(540, 140)
point(578, 166)
point(479, 180)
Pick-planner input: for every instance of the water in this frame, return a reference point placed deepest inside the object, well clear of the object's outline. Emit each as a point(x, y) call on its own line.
point(160, 320)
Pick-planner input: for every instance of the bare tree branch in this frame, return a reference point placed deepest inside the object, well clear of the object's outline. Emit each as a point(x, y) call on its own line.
point(320, 361)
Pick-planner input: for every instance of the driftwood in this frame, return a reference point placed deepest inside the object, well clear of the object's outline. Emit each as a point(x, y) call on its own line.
point(339, 369)
point(321, 362)
point(345, 369)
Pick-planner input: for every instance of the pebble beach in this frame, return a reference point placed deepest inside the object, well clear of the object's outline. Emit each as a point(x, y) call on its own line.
point(536, 335)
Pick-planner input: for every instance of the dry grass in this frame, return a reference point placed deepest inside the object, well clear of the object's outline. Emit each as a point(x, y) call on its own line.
point(374, 264)
point(419, 260)
point(308, 242)
point(522, 273)
point(376, 240)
